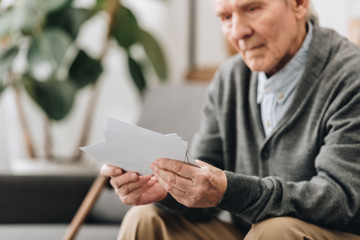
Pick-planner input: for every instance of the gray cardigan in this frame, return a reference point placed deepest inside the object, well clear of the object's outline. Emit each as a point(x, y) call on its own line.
point(309, 167)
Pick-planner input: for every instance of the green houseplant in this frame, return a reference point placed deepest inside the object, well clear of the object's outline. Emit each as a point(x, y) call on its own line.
point(43, 34)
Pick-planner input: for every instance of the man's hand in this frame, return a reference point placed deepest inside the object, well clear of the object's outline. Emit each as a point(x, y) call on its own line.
point(192, 186)
point(133, 189)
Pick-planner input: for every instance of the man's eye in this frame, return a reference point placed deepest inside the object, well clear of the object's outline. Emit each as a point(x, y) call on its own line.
point(252, 9)
point(226, 17)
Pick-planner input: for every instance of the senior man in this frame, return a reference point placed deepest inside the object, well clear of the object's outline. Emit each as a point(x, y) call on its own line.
point(279, 141)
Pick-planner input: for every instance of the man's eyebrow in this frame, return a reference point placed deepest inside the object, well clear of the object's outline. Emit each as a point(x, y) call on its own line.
point(220, 13)
point(249, 3)
point(243, 5)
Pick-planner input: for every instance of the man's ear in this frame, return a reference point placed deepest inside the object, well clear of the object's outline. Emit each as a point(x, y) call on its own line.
point(300, 8)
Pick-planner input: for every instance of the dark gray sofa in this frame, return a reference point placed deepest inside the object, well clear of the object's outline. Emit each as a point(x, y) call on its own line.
point(41, 199)
point(41, 207)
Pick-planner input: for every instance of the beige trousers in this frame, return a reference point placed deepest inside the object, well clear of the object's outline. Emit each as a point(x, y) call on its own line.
point(149, 223)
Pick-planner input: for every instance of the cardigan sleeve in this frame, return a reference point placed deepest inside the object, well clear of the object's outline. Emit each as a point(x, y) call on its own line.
point(331, 198)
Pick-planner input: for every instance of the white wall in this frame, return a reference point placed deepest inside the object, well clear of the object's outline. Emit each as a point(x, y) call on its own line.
point(168, 20)
point(3, 139)
point(336, 14)
point(333, 14)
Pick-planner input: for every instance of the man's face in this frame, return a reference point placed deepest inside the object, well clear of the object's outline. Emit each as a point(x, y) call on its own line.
point(267, 33)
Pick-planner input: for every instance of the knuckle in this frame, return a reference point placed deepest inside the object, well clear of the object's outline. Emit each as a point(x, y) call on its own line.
point(126, 177)
point(113, 183)
point(200, 190)
point(202, 178)
point(169, 188)
point(178, 167)
point(172, 179)
point(126, 200)
point(123, 190)
point(117, 192)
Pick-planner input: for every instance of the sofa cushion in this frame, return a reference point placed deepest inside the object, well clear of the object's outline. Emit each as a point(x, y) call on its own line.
point(41, 199)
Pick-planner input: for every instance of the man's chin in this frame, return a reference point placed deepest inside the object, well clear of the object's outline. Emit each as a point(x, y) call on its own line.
point(258, 66)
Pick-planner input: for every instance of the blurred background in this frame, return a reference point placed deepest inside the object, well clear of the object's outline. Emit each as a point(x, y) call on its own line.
point(189, 35)
point(66, 66)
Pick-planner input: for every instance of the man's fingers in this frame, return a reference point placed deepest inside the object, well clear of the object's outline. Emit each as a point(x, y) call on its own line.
point(170, 180)
point(133, 197)
point(107, 170)
point(205, 189)
point(170, 187)
point(178, 167)
point(125, 178)
point(178, 194)
point(132, 186)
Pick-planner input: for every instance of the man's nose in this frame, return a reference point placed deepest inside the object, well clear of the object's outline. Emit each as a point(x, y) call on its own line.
point(240, 28)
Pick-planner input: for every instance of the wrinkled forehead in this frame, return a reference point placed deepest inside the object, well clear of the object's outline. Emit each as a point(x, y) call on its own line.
point(223, 5)
point(243, 1)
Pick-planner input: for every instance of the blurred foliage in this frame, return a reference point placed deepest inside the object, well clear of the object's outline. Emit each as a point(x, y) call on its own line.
point(43, 33)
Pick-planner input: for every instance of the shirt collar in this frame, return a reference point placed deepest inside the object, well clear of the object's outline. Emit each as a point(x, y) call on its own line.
point(282, 83)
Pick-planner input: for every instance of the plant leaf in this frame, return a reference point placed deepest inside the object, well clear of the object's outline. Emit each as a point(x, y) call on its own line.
point(6, 60)
point(54, 97)
point(6, 21)
point(137, 74)
point(48, 47)
point(2, 87)
point(154, 53)
point(84, 70)
point(69, 19)
point(125, 27)
point(19, 18)
point(50, 6)
point(28, 16)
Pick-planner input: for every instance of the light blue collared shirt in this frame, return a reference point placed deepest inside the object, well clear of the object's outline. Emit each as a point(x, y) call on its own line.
point(274, 93)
